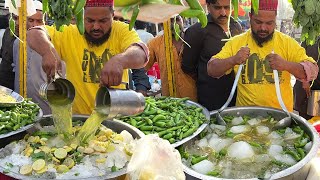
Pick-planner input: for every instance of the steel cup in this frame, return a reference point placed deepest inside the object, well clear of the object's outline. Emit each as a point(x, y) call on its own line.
point(60, 91)
point(116, 102)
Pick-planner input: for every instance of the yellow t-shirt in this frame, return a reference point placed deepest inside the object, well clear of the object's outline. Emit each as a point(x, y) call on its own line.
point(84, 62)
point(256, 83)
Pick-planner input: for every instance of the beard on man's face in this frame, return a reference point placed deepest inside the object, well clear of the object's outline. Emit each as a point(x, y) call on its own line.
point(96, 41)
point(260, 40)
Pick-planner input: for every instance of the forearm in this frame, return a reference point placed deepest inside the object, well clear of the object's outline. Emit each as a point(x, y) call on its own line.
point(38, 40)
point(296, 69)
point(217, 68)
point(135, 57)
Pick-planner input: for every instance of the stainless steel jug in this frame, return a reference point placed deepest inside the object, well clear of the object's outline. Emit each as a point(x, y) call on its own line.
point(118, 102)
point(60, 91)
point(314, 103)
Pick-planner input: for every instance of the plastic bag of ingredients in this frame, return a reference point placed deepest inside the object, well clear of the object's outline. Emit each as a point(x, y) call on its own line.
point(155, 159)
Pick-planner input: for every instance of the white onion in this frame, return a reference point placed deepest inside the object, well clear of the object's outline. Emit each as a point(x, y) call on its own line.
point(240, 129)
point(262, 130)
point(203, 143)
point(254, 121)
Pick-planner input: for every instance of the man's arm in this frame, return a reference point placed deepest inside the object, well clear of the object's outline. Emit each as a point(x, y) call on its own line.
point(134, 57)
point(39, 41)
point(218, 67)
point(305, 71)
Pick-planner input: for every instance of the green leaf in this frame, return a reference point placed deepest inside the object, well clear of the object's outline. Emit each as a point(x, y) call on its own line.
point(14, 3)
point(235, 5)
point(310, 7)
point(255, 6)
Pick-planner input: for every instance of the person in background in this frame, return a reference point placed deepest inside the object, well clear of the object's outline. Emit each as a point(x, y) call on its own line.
point(35, 75)
point(138, 79)
point(302, 90)
point(263, 49)
point(206, 42)
point(185, 85)
point(6, 70)
point(99, 57)
point(142, 32)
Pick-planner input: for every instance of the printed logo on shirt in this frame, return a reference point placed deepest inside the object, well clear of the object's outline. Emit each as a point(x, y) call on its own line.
point(258, 71)
point(92, 65)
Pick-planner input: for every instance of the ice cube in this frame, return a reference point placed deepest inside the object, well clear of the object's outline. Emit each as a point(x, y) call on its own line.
point(214, 142)
point(262, 130)
point(237, 120)
point(240, 150)
point(275, 150)
point(220, 127)
point(222, 144)
point(308, 146)
point(254, 121)
point(203, 167)
point(275, 138)
point(290, 135)
point(285, 158)
point(203, 142)
point(262, 158)
point(240, 129)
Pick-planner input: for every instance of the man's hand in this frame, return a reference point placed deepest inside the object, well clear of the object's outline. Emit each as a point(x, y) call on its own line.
point(111, 73)
point(276, 62)
point(51, 64)
point(306, 87)
point(242, 55)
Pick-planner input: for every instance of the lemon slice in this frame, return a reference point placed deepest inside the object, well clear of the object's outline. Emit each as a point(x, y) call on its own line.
point(60, 153)
point(38, 164)
point(26, 169)
point(68, 162)
point(62, 169)
point(44, 169)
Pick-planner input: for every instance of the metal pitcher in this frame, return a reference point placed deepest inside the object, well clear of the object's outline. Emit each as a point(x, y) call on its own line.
point(119, 102)
point(60, 91)
point(314, 103)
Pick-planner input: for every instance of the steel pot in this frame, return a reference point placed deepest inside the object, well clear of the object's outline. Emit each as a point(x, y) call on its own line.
point(298, 171)
point(116, 126)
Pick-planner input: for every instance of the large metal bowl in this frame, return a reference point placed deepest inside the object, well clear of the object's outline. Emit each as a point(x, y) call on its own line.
point(298, 171)
point(116, 126)
point(7, 138)
point(200, 129)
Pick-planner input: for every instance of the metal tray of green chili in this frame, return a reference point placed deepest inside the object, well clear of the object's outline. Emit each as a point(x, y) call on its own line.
point(175, 119)
point(18, 118)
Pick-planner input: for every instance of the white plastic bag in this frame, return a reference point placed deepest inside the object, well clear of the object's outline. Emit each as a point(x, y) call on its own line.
point(155, 159)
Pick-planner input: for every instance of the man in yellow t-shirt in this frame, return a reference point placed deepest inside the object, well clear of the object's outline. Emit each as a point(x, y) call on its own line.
point(262, 49)
point(101, 56)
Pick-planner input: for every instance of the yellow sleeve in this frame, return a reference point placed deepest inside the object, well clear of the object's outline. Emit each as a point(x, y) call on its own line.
point(298, 53)
point(225, 53)
point(59, 39)
point(126, 36)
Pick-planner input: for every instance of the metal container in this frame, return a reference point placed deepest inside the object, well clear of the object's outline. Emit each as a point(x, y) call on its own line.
point(116, 126)
point(10, 136)
point(298, 171)
point(13, 94)
point(314, 103)
point(200, 129)
point(60, 91)
point(117, 102)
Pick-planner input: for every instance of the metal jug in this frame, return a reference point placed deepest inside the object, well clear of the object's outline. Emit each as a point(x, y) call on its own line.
point(60, 91)
point(314, 103)
point(118, 102)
